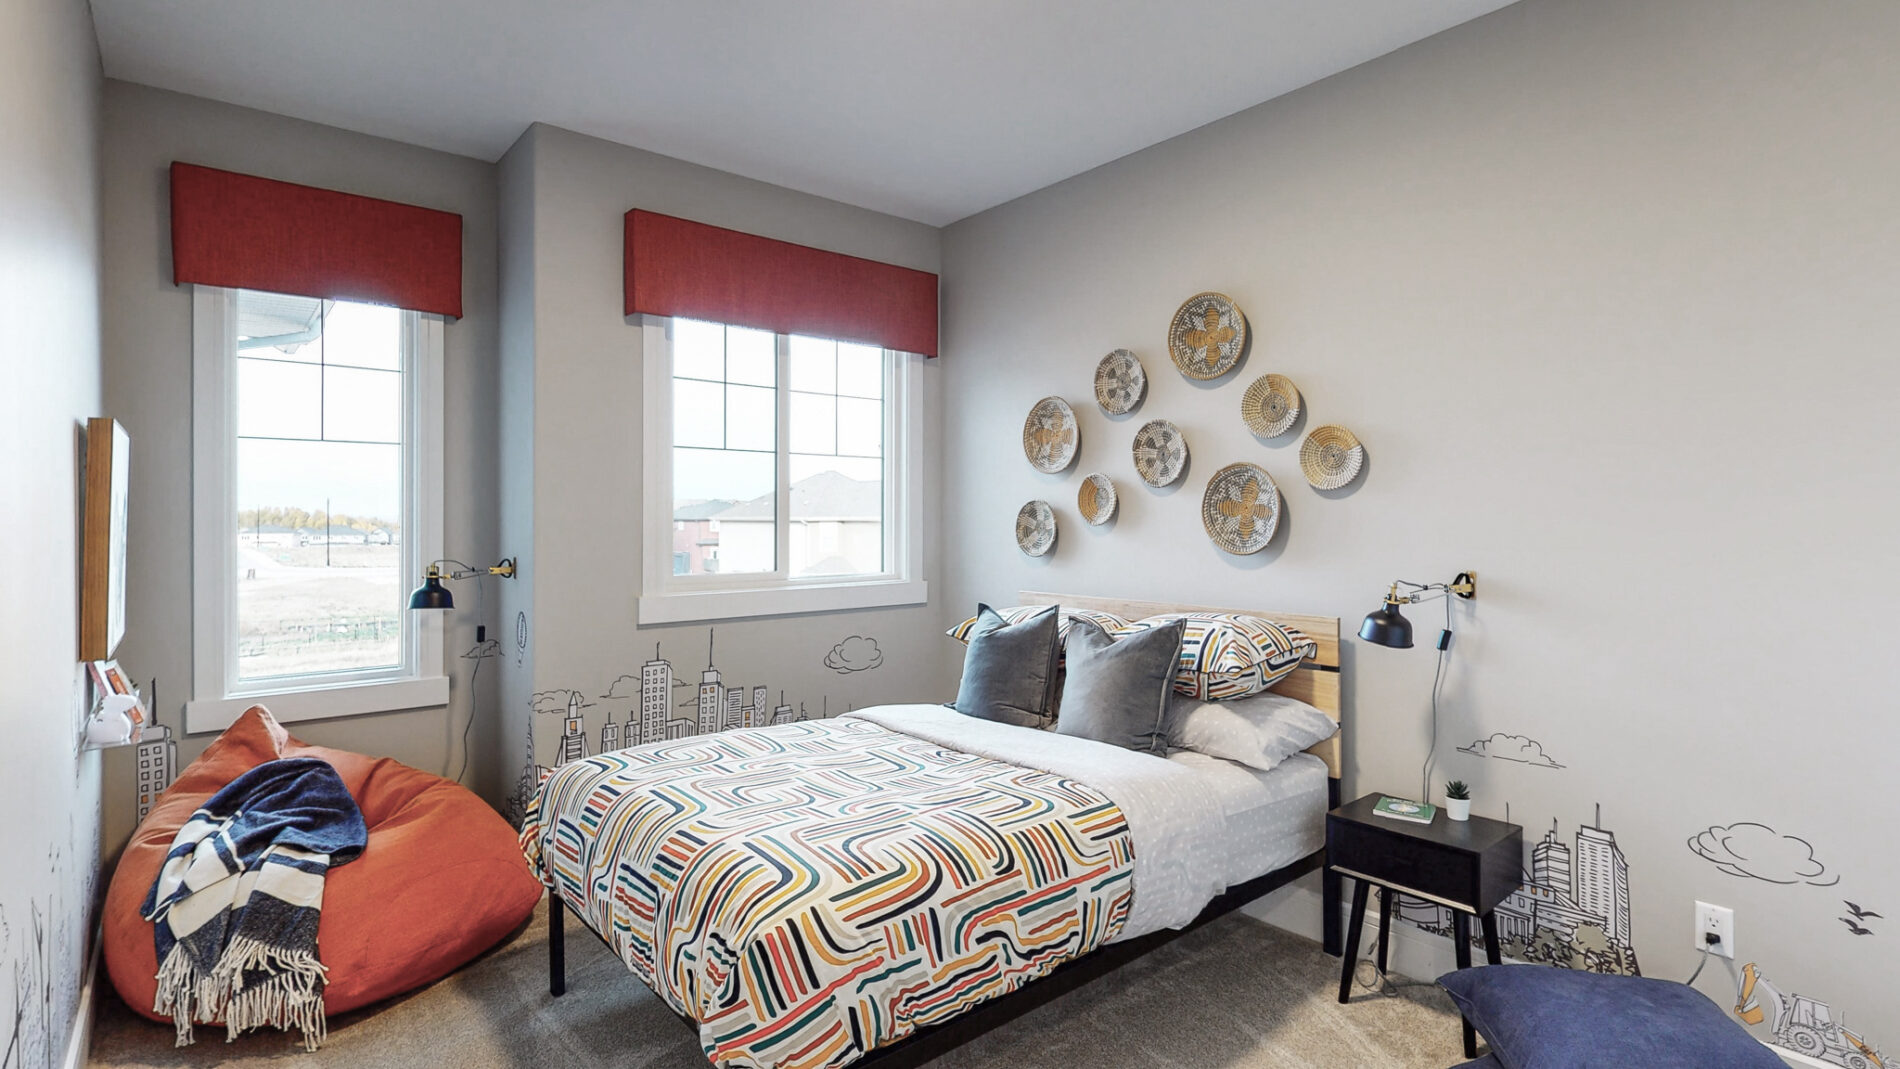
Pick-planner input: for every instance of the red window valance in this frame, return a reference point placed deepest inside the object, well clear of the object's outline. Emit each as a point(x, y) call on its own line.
point(676, 267)
point(255, 233)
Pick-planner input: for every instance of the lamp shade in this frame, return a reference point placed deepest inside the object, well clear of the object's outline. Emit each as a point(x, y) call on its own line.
point(1387, 627)
point(433, 595)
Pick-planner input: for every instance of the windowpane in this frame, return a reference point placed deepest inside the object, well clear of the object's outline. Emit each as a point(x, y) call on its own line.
point(751, 418)
point(860, 370)
point(814, 364)
point(860, 427)
point(814, 423)
point(320, 566)
point(699, 417)
point(837, 514)
point(362, 406)
point(320, 583)
point(362, 335)
point(278, 399)
point(751, 356)
point(724, 507)
point(699, 349)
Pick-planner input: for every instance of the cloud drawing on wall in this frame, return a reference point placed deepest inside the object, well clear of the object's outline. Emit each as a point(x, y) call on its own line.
point(624, 687)
point(557, 701)
point(854, 654)
point(483, 650)
point(1520, 748)
point(1759, 852)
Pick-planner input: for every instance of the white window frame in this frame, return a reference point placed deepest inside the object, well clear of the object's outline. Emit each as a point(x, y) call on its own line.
point(666, 598)
point(218, 696)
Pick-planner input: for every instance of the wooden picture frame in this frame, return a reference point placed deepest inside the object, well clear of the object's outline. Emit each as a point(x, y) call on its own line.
point(103, 545)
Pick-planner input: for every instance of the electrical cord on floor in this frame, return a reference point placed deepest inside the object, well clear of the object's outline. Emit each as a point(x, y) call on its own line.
point(1367, 974)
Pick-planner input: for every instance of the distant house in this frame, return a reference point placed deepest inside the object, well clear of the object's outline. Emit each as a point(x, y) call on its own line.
point(837, 528)
point(696, 536)
point(267, 534)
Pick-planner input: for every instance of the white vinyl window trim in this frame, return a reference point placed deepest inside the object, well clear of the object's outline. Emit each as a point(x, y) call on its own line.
point(666, 598)
point(218, 696)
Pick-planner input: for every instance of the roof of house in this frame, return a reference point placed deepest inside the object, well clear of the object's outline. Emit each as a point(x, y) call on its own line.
point(824, 496)
point(703, 510)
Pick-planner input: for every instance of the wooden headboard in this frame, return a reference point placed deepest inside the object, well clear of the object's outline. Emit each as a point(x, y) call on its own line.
point(1316, 681)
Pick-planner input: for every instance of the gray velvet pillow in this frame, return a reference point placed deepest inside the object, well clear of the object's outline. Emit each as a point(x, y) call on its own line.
point(1118, 691)
point(1009, 670)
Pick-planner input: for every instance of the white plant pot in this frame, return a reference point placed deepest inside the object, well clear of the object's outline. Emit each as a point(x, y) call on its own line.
point(1458, 808)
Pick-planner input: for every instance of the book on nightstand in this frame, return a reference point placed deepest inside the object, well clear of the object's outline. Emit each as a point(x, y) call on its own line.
point(1404, 809)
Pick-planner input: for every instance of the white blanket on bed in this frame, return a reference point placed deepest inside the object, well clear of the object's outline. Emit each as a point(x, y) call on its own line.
point(1173, 819)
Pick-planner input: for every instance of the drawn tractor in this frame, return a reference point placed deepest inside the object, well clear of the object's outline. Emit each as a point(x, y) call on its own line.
point(1801, 1024)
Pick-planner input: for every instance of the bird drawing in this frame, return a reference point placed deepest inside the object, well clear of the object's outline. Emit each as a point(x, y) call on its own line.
point(1855, 928)
point(1859, 913)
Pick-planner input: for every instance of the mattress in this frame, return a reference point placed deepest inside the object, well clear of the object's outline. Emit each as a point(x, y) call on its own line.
point(1272, 818)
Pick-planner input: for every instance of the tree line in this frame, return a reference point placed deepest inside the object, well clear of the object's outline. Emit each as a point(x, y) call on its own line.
point(312, 519)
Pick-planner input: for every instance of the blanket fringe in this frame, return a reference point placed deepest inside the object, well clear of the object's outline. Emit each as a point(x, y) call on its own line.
point(292, 996)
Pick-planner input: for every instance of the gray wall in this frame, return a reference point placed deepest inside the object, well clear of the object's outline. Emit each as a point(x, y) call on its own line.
point(49, 386)
point(148, 388)
point(1606, 289)
point(582, 499)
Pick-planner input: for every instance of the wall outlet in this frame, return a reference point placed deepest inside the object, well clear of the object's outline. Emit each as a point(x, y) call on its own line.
point(1718, 921)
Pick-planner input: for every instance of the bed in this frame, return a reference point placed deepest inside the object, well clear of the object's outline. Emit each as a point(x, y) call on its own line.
point(877, 888)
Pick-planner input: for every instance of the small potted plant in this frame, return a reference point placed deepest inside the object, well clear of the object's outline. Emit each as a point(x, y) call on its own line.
point(1458, 800)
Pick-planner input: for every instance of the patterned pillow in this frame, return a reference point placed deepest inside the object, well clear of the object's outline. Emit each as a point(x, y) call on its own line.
point(1225, 655)
point(1065, 619)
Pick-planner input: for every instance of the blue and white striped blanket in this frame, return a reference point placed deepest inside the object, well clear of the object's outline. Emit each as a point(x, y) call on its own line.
point(237, 902)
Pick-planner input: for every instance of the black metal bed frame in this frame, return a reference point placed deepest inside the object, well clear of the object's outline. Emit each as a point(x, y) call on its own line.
point(935, 1040)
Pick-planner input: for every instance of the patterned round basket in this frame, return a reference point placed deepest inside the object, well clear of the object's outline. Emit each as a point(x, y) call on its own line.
point(1207, 336)
point(1050, 436)
point(1270, 406)
point(1161, 453)
point(1120, 382)
point(1096, 499)
point(1331, 457)
point(1241, 508)
point(1036, 528)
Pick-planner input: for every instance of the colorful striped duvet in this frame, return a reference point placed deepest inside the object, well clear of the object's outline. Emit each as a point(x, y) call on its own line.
point(812, 891)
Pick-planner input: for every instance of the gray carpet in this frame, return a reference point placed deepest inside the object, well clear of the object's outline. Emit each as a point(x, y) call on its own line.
point(1236, 993)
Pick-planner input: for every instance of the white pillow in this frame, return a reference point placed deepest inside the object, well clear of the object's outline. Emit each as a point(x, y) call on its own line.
point(1260, 731)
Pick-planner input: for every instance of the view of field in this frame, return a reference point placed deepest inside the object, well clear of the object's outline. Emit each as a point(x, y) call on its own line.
point(318, 608)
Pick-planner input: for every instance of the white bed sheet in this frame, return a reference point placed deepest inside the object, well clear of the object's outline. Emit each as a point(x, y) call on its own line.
point(1273, 818)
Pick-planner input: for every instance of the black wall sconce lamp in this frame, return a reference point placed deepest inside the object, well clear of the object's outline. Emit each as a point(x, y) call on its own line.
point(433, 595)
point(1387, 626)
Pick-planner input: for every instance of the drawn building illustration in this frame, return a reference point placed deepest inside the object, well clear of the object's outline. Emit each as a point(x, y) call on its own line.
point(573, 733)
point(782, 714)
point(1572, 909)
point(656, 690)
point(609, 735)
point(156, 764)
point(733, 713)
point(709, 693)
point(531, 773)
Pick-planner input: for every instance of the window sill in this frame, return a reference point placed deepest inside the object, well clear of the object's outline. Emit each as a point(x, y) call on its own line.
point(320, 703)
point(701, 605)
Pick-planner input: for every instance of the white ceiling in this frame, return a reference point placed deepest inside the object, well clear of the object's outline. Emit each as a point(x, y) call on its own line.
point(931, 111)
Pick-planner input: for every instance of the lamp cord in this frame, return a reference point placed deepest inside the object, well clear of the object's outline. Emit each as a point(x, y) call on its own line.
point(1431, 752)
point(481, 608)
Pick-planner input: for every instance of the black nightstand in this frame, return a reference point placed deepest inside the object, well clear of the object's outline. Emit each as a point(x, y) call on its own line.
point(1467, 865)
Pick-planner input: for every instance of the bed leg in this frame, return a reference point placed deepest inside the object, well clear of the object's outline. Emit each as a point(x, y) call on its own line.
point(557, 945)
point(1331, 895)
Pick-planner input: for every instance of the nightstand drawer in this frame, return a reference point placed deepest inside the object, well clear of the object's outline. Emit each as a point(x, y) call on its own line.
point(1402, 861)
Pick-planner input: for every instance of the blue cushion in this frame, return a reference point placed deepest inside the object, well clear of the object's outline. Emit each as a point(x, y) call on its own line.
point(1489, 1061)
point(1541, 1017)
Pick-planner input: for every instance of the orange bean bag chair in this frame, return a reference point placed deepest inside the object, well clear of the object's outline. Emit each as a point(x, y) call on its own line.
point(443, 878)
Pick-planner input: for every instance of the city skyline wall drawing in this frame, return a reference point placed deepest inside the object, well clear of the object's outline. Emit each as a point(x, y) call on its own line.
point(656, 702)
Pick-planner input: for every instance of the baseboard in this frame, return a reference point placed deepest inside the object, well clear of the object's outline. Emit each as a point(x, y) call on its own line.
point(1795, 1057)
point(1298, 907)
point(79, 1046)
